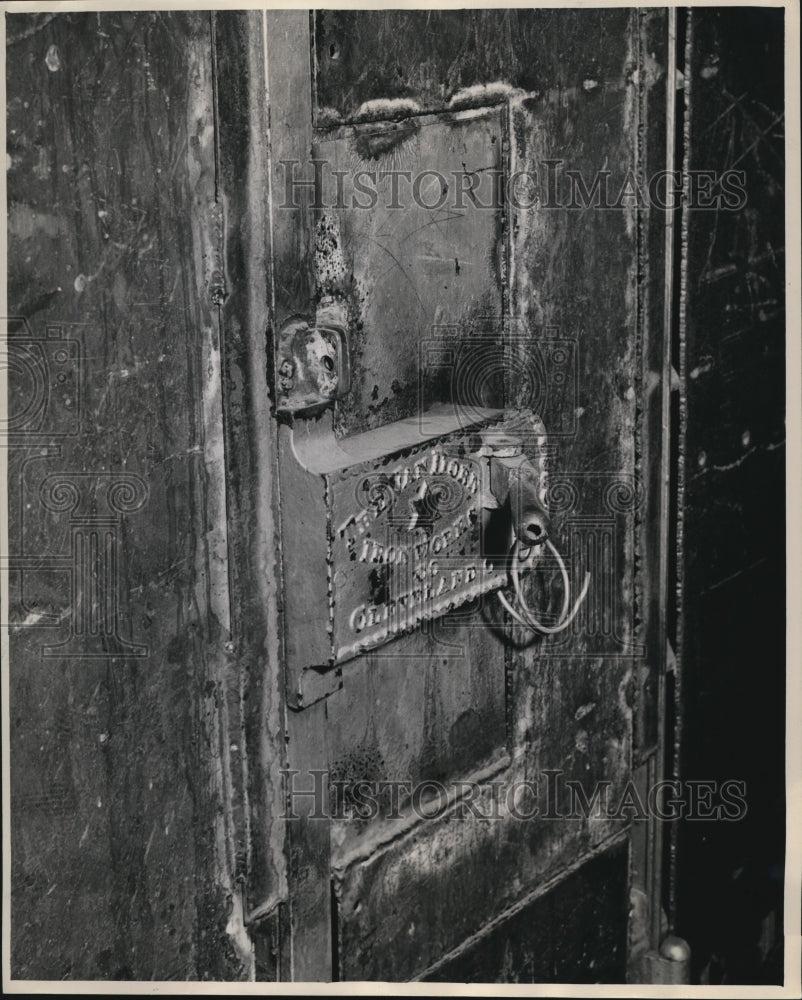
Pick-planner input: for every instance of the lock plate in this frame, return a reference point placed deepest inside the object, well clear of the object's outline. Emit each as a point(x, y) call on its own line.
point(407, 538)
point(406, 545)
point(311, 366)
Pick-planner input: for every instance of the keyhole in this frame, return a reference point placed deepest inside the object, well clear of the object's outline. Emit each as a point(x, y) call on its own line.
point(535, 532)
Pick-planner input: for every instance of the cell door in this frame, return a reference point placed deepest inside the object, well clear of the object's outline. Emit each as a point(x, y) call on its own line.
point(460, 337)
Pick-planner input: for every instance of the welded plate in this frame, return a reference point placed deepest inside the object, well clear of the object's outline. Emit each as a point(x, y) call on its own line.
point(417, 261)
point(406, 543)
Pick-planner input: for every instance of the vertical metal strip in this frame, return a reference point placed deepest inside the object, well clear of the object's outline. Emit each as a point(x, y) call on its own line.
point(215, 109)
point(658, 768)
point(255, 681)
point(5, 673)
point(676, 763)
point(271, 243)
point(288, 59)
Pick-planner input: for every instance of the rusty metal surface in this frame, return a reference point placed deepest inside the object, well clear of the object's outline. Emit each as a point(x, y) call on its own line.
point(571, 276)
point(313, 366)
point(570, 933)
point(552, 299)
point(429, 57)
point(412, 269)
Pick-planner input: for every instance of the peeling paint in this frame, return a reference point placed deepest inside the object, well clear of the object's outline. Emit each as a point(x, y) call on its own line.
point(480, 94)
point(53, 59)
point(379, 109)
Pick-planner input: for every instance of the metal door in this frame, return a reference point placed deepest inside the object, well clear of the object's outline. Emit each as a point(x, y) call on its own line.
point(454, 243)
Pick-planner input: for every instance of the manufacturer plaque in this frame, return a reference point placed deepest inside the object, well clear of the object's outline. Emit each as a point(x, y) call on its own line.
point(406, 543)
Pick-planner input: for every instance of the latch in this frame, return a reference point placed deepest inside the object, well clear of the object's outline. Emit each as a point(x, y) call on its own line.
point(312, 362)
point(514, 481)
point(419, 517)
point(517, 485)
point(416, 535)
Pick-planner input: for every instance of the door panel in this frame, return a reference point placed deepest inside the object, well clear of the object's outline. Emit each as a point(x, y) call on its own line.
point(125, 781)
point(536, 307)
point(571, 934)
point(420, 262)
point(425, 711)
point(439, 881)
point(430, 56)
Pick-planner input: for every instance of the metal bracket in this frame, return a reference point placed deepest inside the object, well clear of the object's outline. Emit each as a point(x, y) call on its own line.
point(312, 365)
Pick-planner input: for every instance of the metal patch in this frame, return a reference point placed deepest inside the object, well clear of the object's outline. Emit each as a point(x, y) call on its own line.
point(406, 543)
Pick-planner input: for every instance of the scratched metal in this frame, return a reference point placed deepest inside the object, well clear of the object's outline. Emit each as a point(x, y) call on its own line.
point(570, 276)
point(731, 558)
point(407, 544)
point(410, 274)
point(438, 59)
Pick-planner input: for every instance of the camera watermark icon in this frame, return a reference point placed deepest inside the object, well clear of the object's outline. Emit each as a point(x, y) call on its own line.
point(90, 507)
point(495, 364)
point(95, 504)
point(45, 383)
point(597, 511)
point(77, 584)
